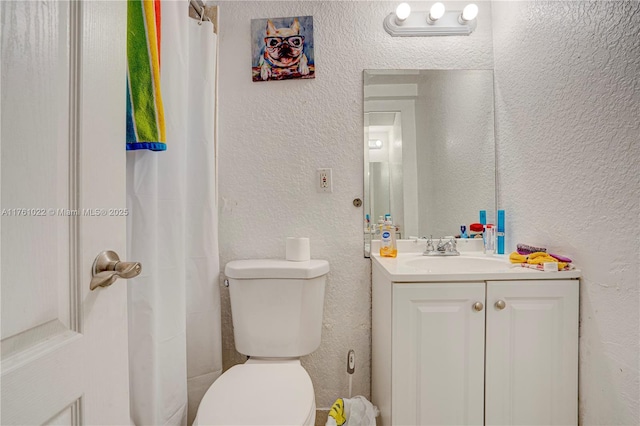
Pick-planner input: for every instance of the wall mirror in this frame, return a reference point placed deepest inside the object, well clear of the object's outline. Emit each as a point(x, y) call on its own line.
point(429, 150)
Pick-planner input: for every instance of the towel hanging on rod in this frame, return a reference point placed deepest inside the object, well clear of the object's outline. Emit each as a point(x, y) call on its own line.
point(145, 110)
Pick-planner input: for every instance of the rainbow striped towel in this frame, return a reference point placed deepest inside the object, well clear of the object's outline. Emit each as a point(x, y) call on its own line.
point(145, 113)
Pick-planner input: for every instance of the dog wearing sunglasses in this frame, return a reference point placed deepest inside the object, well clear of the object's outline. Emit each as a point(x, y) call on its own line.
point(283, 49)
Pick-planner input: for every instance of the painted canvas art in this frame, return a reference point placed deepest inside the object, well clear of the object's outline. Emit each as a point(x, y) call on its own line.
point(282, 48)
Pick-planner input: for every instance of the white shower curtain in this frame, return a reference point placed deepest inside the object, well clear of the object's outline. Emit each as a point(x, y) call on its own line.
point(174, 305)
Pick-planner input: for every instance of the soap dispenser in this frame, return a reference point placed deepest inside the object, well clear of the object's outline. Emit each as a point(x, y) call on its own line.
point(388, 246)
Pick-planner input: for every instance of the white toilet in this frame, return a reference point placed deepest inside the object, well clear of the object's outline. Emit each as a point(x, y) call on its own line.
point(276, 306)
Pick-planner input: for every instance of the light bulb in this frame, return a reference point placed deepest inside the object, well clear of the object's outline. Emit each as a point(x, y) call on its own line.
point(403, 11)
point(469, 12)
point(436, 12)
point(375, 144)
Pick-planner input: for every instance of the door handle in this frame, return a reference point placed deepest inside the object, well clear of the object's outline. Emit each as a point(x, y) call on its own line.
point(107, 268)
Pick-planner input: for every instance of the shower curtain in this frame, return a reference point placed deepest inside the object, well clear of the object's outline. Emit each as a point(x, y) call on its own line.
point(174, 305)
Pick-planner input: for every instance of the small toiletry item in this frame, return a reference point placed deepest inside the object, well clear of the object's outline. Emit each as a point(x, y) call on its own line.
point(476, 230)
point(490, 239)
point(560, 258)
point(483, 217)
point(525, 249)
point(500, 232)
point(463, 231)
point(379, 227)
point(388, 246)
point(476, 227)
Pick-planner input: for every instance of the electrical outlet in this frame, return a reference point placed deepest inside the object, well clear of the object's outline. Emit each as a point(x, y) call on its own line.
point(324, 180)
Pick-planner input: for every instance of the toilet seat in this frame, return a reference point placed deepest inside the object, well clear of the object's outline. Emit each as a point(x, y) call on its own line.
point(273, 393)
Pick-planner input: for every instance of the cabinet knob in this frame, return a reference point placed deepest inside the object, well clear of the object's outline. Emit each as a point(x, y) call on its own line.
point(500, 305)
point(478, 306)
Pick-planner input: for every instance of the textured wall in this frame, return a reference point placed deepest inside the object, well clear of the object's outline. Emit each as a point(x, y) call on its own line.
point(274, 135)
point(568, 112)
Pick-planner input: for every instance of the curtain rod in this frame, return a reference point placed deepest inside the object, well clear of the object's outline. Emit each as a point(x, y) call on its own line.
point(199, 10)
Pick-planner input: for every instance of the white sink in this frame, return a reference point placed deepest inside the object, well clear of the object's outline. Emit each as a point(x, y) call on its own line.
point(410, 266)
point(457, 264)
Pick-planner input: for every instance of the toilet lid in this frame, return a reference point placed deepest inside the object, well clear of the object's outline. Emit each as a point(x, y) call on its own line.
point(276, 268)
point(259, 394)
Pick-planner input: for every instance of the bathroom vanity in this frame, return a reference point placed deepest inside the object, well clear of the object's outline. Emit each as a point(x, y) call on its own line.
point(472, 339)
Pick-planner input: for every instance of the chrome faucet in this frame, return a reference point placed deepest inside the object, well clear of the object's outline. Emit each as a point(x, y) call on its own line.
point(444, 248)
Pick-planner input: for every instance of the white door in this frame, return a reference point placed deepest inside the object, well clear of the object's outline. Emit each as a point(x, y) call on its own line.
point(438, 354)
point(532, 353)
point(64, 347)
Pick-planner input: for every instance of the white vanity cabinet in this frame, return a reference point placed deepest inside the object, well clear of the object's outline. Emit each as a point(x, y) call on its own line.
point(482, 352)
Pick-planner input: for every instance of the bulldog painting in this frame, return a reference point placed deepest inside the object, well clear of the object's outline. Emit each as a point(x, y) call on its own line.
point(282, 48)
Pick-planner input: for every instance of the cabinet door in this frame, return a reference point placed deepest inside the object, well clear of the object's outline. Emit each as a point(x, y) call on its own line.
point(532, 353)
point(438, 354)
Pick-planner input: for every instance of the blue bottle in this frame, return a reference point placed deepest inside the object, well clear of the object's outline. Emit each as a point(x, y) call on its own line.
point(500, 232)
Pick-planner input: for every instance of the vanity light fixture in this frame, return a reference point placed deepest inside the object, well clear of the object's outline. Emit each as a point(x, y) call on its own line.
point(437, 22)
point(375, 144)
point(436, 12)
point(469, 13)
point(402, 12)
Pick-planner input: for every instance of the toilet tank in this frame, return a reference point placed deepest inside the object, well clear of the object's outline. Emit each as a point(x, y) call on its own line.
point(276, 306)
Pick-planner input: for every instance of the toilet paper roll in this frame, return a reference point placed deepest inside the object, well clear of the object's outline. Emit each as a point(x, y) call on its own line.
point(298, 249)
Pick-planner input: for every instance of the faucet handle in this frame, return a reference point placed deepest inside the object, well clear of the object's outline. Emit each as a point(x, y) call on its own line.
point(430, 247)
point(451, 246)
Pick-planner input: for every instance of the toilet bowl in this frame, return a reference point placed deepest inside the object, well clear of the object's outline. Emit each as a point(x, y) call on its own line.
point(276, 308)
point(255, 393)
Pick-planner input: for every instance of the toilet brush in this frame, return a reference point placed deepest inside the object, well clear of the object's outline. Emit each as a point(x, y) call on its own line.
point(351, 367)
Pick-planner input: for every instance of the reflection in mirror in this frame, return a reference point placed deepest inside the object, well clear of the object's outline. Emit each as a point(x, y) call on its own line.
point(384, 194)
point(429, 150)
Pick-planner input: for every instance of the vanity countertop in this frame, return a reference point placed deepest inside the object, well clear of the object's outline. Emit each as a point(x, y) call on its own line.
point(411, 266)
